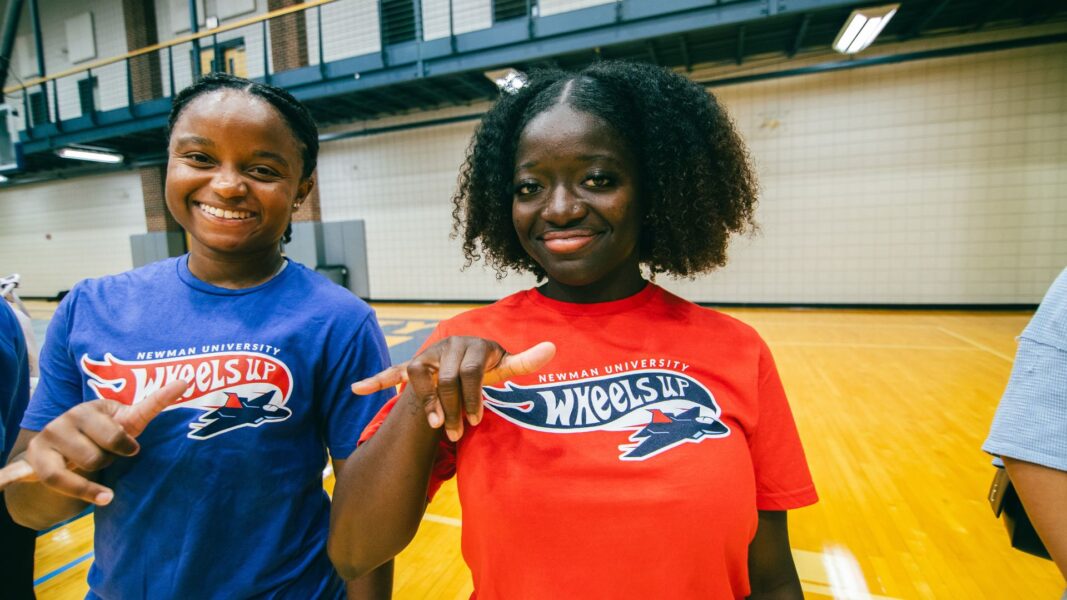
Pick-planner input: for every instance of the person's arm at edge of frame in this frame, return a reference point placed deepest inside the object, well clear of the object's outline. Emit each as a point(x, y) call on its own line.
point(380, 494)
point(771, 572)
point(34, 505)
point(376, 585)
point(1043, 492)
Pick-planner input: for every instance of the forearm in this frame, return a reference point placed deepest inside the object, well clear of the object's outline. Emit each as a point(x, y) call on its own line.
point(376, 585)
point(37, 506)
point(772, 574)
point(380, 494)
point(1043, 492)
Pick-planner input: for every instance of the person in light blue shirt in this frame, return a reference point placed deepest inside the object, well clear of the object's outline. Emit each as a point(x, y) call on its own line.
point(1029, 430)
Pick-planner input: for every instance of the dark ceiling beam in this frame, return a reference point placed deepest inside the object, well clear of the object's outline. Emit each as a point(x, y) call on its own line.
point(924, 20)
point(798, 39)
point(683, 47)
point(434, 87)
point(1041, 10)
point(740, 44)
point(479, 91)
point(988, 12)
point(650, 47)
point(424, 95)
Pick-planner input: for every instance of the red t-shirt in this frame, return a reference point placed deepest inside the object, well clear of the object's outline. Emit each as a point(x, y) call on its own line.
point(633, 464)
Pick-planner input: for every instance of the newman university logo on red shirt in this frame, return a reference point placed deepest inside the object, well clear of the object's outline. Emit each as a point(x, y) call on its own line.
point(663, 409)
point(233, 389)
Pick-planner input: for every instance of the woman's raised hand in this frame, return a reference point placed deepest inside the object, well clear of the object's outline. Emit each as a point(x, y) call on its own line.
point(447, 377)
point(87, 438)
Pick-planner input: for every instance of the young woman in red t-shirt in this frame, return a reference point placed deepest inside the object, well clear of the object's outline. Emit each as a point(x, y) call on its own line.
point(648, 449)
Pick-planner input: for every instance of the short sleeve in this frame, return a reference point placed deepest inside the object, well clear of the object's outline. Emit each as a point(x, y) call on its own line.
point(14, 379)
point(344, 414)
point(60, 386)
point(444, 466)
point(1031, 420)
point(783, 481)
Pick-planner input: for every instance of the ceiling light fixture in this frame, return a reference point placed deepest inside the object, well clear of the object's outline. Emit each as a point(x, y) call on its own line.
point(863, 25)
point(89, 154)
point(508, 80)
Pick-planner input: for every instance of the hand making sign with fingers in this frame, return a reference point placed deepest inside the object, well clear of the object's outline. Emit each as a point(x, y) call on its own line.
point(87, 438)
point(452, 372)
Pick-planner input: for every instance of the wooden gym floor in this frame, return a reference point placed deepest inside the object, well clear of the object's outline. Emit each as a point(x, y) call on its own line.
point(892, 406)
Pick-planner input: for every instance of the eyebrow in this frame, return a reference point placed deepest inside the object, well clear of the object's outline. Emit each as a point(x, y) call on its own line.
point(270, 155)
point(584, 157)
point(203, 141)
point(195, 139)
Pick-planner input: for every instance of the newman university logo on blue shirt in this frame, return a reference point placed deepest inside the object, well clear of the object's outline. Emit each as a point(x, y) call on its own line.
point(663, 409)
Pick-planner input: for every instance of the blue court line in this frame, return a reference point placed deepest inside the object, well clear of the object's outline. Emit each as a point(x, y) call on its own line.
point(63, 569)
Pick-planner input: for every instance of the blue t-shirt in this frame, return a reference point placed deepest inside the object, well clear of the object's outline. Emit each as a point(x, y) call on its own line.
point(225, 498)
point(1031, 420)
point(14, 379)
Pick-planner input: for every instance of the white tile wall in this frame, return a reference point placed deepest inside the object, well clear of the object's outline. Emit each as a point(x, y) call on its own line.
point(467, 15)
point(401, 185)
point(89, 222)
point(552, 7)
point(939, 181)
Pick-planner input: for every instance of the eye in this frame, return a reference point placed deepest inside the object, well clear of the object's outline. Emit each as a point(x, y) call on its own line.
point(598, 180)
point(198, 158)
point(264, 172)
point(526, 188)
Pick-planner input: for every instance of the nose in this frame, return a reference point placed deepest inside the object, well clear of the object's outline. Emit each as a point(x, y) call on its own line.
point(228, 183)
point(562, 206)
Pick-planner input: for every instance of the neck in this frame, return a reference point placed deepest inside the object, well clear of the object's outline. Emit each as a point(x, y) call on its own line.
point(601, 291)
point(235, 272)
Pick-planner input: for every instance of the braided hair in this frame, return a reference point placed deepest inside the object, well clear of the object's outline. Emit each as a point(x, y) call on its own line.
point(697, 188)
point(295, 115)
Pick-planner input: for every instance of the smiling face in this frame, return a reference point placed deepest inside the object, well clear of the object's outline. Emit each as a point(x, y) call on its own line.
point(234, 173)
point(575, 207)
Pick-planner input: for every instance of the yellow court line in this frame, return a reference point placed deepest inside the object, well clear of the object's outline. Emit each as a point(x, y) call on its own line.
point(441, 519)
point(976, 344)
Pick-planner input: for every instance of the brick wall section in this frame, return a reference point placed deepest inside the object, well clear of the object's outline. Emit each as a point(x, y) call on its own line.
point(288, 38)
point(145, 72)
point(156, 214)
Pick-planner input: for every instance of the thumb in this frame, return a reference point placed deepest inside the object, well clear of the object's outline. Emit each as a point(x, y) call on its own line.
point(527, 361)
point(135, 418)
point(18, 470)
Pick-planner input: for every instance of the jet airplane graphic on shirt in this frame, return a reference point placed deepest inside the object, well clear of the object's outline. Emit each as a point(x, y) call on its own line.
point(666, 431)
point(238, 412)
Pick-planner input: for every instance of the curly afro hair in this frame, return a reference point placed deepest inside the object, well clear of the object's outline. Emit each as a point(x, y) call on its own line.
point(697, 189)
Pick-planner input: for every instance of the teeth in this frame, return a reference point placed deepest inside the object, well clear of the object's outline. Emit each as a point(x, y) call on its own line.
point(224, 214)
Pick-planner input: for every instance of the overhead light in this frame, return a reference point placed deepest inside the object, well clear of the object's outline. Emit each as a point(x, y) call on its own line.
point(863, 25)
point(508, 80)
point(89, 154)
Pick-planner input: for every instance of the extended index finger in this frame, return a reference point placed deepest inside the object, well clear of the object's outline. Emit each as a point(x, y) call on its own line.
point(388, 378)
point(527, 361)
point(135, 418)
point(18, 470)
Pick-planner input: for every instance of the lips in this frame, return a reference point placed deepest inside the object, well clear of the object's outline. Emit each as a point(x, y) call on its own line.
point(567, 241)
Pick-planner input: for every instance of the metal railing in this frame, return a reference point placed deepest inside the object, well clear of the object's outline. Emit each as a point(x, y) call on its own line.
point(309, 34)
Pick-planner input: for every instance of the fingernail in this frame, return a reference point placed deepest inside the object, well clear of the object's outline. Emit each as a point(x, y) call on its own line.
point(434, 419)
point(474, 419)
point(104, 498)
point(453, 436)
